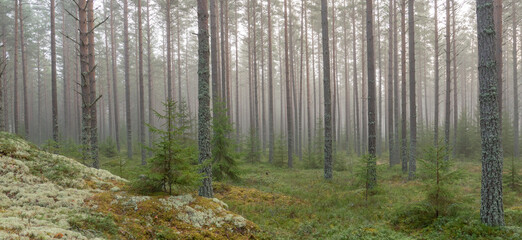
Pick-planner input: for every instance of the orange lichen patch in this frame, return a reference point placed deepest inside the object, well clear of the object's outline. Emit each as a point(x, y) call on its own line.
point(252, 195)
point(58, 235)
point(151, 218)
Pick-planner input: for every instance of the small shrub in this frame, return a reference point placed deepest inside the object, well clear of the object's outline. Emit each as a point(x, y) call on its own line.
point(108, 148)
point(171, 168)
point(223, 161)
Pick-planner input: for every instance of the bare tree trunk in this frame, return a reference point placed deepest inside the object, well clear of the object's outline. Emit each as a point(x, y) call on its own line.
point(115, 79)
point(127, 77)
point(448, 81)
point(436, 115)
point(396, 84)
point(355, 87)
point(455, 100)
point(289, 117)
point(404, 138)
point(497, 18)
point(328, 163)
point(516, 115)
point(53, 75)
point(149, 74)
point(141, 87)
point(24, 71)
point(372, 166)
point(413, 104)
point(390, 126)
point(205, 153)
point(108, 76)
point(364, 86)
point(308, 103)
point(492, 209)
point(238, 124)
point(92, 87)
point(270, 88)
point(15, 72)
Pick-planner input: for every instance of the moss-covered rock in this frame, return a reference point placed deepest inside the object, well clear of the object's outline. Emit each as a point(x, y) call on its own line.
point(47, 196)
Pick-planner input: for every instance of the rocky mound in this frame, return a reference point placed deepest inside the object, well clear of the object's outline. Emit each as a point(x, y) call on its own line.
point(48, 196)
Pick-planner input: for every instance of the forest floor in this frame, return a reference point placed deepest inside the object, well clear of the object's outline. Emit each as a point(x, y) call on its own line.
point(299, 204)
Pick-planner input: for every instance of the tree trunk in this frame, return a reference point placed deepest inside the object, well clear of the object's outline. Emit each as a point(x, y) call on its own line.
point(436, 115)
point(390, 126)
point(15, 73)
point(492, 209)
point(357, 125)
point(149, 75)
point(454, 56)
point(404, 138)
point(53, 75)
point(413, 104)
point(497, 18)
point(515, 82)
point(289, 117)
point(448, 81)
point(270, 89)
point(372, 144)
point(115, 79)
point(141, 86)
point(127, 77)
point(92, 88)
point(24, 70)
point(328, 163)
point(205, 153)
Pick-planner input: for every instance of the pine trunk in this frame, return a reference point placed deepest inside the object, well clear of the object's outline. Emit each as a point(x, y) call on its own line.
point(328, 163)
point(413, 104)
point(372, 143)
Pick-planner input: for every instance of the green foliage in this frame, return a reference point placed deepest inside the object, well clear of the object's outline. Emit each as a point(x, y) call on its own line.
point(313, 159)
point(512, 178)
point(108, 148)
point(438, 177)
point(223, 162)
point(63, 147)
point(170, 169)
point(369, 232)
point(251, 147)
point(166, 233)
point(364, 175)
point(280, 151)
point(468, 138)
point(96, 224)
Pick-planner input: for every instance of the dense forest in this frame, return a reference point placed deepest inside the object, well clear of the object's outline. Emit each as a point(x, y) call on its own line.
point(348, 119)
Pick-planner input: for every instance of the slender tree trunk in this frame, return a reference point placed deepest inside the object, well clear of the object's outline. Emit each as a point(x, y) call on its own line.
point(334, 82)
point(205, 153)
point(289, 117)
point(308, 102)
point(141, 87)
point(516, 115)
point(492, 209)
point(85, 79)
point(404, 138)
point(372, 144)
point(149, 75)
point(454, 56)
point(437, 94)
point(115, 79)
point(328, 163)
point(364, 86)
point(390, 126)
point(396, 108)
point(214, 54)
point(379, 88)
point(413, 104)
point(24, 70)
point(448, 81)
point(355, 87)
point(270, 88)
point(15, 72)
point(108, 73)
point(238, 123)
point(53, 75)
point(127, 77)
point(92, 88)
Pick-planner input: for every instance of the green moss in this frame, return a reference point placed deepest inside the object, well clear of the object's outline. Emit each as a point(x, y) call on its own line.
point(94, 224)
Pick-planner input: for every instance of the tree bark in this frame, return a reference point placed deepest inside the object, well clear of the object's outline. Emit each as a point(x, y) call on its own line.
point(289, 117)
point(328, 163)
point(516, 115)
point(448, 82)
point(205, 153)
point(127, 77)
point(372, 143)
point(404, 138)
point(115, 80)
point(413, 104)
point(270, 88)
point(15, 73)
point(141, 86)
point(436, 115)
point(24, 70)
point(53, 75)
point(491, 210)
point(390, 126)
